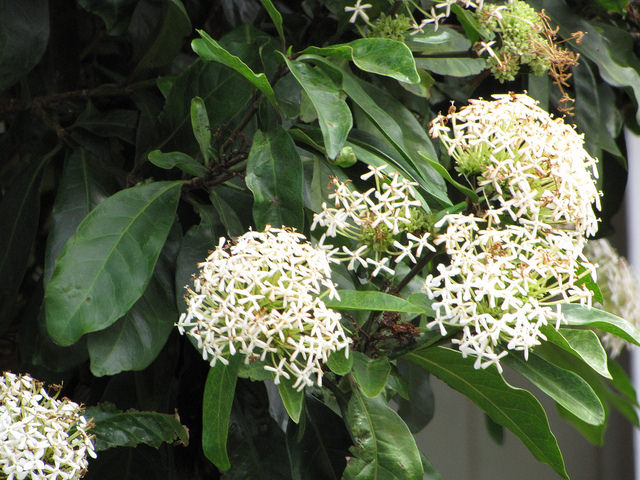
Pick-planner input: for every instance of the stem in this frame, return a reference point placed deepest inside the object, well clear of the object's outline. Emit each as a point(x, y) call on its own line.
point(422, 262)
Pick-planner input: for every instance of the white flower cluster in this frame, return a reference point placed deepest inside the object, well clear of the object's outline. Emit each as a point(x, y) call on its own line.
point(41, 437)
point(619, 286)
point(385, 221)
point(520, 255)
point(441, 11)
point(261, 297)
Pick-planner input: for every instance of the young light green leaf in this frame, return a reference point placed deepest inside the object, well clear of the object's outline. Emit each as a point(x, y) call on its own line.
point(370, 373)
point(201, 126)
point(208, 49)
point(276, 17)
point(339, 364)
point(115, 428)
point(565, 387)
point(105, 267)
point(577, 315)
point(384, 447)
point(382, 56)
point(333, 112)
point(372, 300)
point(292, 399)
point(180, 160)
point(514, 408)
point(274, 176)
point(583, 344)
point(217, 400)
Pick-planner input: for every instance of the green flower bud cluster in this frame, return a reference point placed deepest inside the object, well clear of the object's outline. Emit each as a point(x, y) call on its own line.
point(393, 27)
point(522, 41)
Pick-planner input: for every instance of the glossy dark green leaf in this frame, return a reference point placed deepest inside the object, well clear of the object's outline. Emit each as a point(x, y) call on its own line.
point(114, 13)
point(110, 123)
point(274, 176)
point(593, 433)
point(292, 399)
point(454, 67)
point(470, 24)
point(318, 443)
point(165, 33)
point(620, 379)
point(382, 56)
point(179, 160)
point(228, 216)
point(584, 344)
point(441, 41)
point(370, 373)
point(333, 112)
point(470, 194)
point(514, 408)
point(276, 17)
point(135, 340)
point(24, 30)
point(430, 472)
point(577, 315)
point(105, 267)
point(565, 387)
point(201, 126)
point(416, 411)
point(208, 49)
point(339, 363)
point(19, 216)
point(384, 448)
point(83, 186)
point(115, 428)
point(219, 391)
point(373, 301)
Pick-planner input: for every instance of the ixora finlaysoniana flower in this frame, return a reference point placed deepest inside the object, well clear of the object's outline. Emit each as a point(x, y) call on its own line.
point(619, 286)
point(41, 437)
point(519, 255)
point(261, 296)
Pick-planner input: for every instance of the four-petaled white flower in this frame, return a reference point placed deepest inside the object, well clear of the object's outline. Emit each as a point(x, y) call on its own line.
point(261, 297)
point(41, 437)
point(358, 10)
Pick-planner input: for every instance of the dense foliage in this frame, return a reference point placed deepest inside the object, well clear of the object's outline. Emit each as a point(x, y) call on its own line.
point(243, 234)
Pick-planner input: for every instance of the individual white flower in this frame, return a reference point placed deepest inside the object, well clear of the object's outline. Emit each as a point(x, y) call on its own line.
point(358, 11)
point(41, 437)
point(385, 221)
point(261, 296)
point(619, 286)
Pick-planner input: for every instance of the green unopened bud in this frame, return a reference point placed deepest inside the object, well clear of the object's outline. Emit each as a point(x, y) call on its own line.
point(346, 157)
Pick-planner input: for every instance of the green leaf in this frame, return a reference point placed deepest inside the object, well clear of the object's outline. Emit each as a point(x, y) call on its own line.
point(114, 428)
point(228, 216)
point(621, 380)
point(82, 186)
point(274, 176)
point(333, 112)
point(565, 387)
point(201, 126)
point(371, 374)
point(219, 391)
point(514, 408)
point(19, 217)
point(418, 410)
point(372, 301)
point(114, 13)
point(24, 30)
point(382, 56)
point(454, 67)
point(593, 433)
point(470, 24)
point(430, 472)
point(164, 39)
point(292, 399)
point(180, 160)
point(117, 123)
point(436, 42)
point(339, 364)
point(105, 267)
point(276, 17)
point(208, 49)
point(318, 443)
point(135, 340)
point(384, 448)
point(470, 194)
point(577, 315)
point(583, 344)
